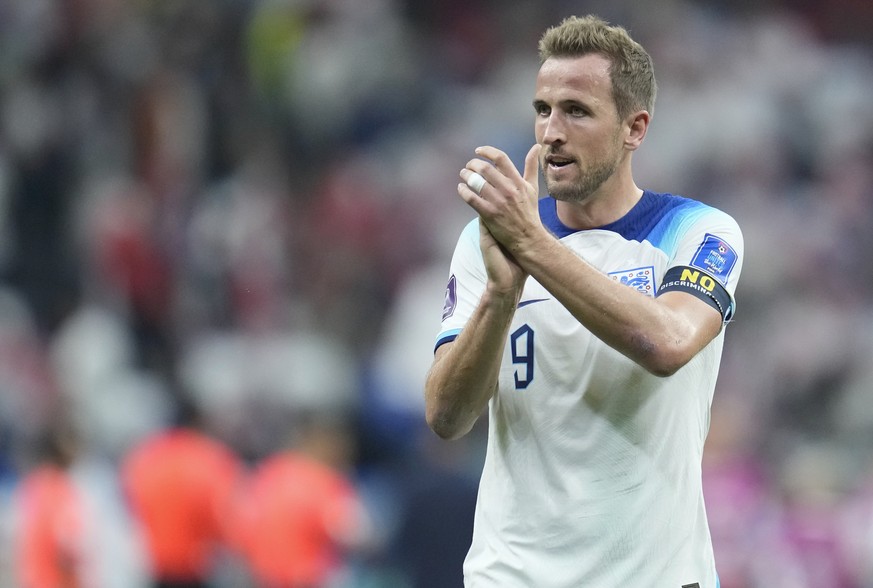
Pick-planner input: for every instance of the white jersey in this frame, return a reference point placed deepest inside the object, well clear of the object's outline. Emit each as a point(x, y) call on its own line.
point(592, 476)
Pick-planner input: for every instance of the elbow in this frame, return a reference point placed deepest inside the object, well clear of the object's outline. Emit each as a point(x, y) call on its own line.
point(444, 425)
point(663, 368)
point(443, 413)
point(443, 429)
point(663, 360)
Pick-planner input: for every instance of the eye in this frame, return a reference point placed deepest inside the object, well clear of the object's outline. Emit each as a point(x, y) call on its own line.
point(577, 111)
point(542, 109)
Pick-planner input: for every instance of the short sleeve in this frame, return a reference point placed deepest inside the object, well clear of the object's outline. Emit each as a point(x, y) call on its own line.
point(465, 285)
point(708, 260)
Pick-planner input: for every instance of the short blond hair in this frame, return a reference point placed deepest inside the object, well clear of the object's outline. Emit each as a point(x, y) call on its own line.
point(631, 71)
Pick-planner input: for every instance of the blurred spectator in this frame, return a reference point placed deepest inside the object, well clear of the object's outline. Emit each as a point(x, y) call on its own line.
point(69, 529)
point(301, 517)
point(51, 540)
point(26, 379)
point(181, 484)
point(92, 355)
point(252, 384)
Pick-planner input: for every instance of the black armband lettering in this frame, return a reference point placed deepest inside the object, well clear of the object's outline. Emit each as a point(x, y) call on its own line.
point(701, 285)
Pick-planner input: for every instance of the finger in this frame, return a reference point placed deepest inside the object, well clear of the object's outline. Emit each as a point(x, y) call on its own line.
point(503, 173)
point(473, 179)
point(532, 165)
point(476, 182)
point(471, 198)
point(499, 160)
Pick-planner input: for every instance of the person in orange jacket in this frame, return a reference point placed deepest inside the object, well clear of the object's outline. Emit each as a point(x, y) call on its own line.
point(51, 529)
point(181, 484)
point(301, 514)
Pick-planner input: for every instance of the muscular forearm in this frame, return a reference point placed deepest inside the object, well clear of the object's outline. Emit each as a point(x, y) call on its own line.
point(464, 373)
point(649, 331)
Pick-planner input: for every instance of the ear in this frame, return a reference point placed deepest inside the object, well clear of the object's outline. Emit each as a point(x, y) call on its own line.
point(637, 127)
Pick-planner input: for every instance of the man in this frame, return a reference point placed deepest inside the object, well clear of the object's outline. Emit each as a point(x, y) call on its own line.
point(590, 323)
point(69, 528)
point(301, 518)
point(52, 530)
point(181, 484)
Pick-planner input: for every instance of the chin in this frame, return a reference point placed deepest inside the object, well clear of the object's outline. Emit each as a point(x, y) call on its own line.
point(562, 190)
point(567, 192)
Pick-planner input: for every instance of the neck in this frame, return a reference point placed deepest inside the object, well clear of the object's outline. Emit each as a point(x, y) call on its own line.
point(613, 200)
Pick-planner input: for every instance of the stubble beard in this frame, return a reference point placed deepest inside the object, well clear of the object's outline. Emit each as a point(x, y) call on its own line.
point(591, 179)
point(588, 183)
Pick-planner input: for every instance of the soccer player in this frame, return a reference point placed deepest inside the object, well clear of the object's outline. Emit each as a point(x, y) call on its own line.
point(591, 324)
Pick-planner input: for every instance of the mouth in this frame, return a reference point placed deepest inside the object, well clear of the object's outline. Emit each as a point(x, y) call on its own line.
point(553, 161)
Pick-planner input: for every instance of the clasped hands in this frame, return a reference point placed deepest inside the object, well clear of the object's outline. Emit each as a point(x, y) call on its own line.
point(507, 207)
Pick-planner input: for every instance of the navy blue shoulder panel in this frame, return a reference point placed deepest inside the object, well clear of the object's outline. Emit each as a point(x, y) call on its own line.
point(646, 220)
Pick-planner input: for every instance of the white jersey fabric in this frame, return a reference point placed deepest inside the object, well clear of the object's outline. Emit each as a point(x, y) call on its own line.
point(592, 475)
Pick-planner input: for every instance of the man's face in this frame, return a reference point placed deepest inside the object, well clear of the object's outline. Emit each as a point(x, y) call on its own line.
point(578, 126)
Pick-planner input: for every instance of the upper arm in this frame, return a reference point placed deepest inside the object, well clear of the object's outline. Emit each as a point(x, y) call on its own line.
point(681, 327)
point(697, 288)
point(701, 277)
point(703, 320)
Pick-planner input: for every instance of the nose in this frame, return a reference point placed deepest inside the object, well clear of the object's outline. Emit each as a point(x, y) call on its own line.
point(552, 129)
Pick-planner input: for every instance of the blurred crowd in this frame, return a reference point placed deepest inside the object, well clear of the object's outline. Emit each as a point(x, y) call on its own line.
point(225, 228)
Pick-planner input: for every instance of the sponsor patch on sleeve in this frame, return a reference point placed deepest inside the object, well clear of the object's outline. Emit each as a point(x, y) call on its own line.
point(451, 297)
point(700, 284)
point(716, 257)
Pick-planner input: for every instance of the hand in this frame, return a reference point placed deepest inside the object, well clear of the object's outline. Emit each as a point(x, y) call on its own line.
point(507, 203)
point(505, 276)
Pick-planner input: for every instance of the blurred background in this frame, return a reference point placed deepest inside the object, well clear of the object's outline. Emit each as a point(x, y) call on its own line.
point(235, 218)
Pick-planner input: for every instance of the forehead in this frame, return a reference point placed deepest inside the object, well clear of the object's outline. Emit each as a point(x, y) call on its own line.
point(585, 77)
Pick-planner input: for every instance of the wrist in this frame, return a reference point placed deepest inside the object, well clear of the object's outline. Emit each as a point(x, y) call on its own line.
point(502, 297)
point(531, 246)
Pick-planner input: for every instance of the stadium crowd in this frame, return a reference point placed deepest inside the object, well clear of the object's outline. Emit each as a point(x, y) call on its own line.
point(244, 209)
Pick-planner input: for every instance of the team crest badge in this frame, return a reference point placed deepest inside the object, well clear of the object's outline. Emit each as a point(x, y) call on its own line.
point(641, 279)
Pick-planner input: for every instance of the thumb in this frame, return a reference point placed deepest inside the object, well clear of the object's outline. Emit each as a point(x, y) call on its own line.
point(532, 165)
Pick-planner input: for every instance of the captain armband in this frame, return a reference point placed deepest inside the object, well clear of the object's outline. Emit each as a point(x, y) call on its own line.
point(701, 285)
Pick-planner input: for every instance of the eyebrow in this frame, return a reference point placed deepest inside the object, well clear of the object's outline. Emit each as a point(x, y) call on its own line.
point(562, 103)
